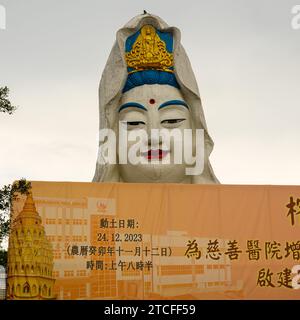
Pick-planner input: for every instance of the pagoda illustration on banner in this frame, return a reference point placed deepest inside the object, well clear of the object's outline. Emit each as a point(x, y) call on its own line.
point(30, 257)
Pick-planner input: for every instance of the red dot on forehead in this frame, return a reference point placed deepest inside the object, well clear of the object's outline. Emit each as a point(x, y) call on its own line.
point(152, 101)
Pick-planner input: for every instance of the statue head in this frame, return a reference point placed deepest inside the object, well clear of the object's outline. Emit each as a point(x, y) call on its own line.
point(148, 92)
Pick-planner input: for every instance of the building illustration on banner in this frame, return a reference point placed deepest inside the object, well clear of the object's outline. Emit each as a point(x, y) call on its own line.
point(70, 224)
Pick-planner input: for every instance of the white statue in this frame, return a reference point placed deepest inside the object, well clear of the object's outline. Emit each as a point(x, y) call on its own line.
point(147, 84)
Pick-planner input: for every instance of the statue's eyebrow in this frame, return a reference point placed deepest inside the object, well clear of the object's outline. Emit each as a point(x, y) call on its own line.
point(173, 103)
point(132, 104)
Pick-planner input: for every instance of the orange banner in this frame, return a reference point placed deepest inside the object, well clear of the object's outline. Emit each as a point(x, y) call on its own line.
point(155, 241)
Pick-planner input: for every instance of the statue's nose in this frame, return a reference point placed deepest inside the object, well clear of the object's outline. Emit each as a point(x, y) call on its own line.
point(154, 139)
point(152, 123)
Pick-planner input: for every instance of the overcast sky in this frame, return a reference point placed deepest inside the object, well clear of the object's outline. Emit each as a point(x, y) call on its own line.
point(245, 55)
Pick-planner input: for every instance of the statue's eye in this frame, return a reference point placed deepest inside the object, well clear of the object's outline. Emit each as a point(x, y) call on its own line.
point(172, 121)
point(135, 123)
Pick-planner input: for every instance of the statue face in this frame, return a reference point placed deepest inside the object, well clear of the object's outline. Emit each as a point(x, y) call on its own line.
point(154, 107)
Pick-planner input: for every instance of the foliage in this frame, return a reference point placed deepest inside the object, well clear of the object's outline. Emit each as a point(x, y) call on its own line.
point(7, 195)
point(5, 104)
point(3, 258)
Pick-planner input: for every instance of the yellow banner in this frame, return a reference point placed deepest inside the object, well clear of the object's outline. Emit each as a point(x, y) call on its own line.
point(155, 241)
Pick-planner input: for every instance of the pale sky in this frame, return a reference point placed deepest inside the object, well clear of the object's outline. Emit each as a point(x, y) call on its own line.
point(245, 56)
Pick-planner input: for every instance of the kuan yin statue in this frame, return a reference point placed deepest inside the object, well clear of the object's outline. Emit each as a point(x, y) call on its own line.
point(148, 86)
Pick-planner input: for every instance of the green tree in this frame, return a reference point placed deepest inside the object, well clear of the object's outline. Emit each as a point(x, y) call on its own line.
point(5, 104)
point(3, 258)
point(7, 195)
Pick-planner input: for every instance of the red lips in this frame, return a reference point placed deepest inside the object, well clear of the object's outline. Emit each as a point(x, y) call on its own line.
point(155, 154)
